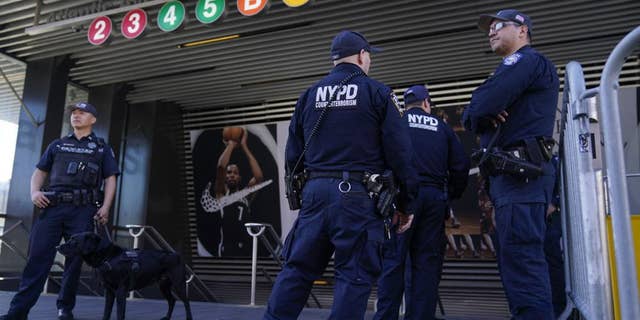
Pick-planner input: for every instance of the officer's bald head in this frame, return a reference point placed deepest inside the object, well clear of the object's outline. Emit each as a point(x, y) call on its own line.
point(362, 60)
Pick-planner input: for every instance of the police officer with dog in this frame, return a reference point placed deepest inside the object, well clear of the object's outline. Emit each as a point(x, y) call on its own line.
point(442, 169)
point(513, 113)
point(345, 134)
point(76, 166)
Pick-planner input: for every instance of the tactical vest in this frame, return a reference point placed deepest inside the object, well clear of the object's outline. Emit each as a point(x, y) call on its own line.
point(75, 168)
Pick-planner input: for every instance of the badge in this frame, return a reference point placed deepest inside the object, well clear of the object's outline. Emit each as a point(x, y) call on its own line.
point(512, 59)
point(91, 145)
point(396, 103)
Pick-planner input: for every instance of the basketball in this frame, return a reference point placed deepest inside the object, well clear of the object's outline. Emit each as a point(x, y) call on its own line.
point(232, 133)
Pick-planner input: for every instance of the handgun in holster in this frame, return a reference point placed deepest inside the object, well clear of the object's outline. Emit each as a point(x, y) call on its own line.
point(293, 187)
point(53, 198)
point(383, 189)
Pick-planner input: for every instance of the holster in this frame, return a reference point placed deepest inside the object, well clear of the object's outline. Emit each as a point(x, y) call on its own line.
point(53, 198)
point(383, 189)
point(293, 189)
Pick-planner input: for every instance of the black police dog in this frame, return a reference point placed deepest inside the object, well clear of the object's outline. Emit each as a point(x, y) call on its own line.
point(122, 271)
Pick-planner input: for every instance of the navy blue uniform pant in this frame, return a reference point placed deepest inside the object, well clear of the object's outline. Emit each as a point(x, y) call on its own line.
point(425, 244)
point(51, 225)
point(520, 229)
point(330, 221)
point(553, 254)
point(393, 281)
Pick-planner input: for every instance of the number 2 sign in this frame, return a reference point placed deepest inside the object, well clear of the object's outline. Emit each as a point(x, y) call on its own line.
point(133, 23)
point(99, 30)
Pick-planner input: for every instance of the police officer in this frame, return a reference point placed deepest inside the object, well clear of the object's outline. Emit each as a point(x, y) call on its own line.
point(76, 165)
point(513, 113)
point(361, 131)
point(442, 169)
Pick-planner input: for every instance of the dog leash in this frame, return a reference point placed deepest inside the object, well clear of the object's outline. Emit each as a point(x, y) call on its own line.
point(106, 230)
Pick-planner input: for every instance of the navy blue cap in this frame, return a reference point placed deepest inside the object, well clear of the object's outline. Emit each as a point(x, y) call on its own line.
point(348, 43)
point(84, 106)
point(505, 15)
point(417, 93)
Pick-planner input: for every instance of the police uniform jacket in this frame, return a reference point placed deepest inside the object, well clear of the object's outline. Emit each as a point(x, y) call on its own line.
point(526, 86)
point(439, 157)
point(362, 130)
point(68, 159)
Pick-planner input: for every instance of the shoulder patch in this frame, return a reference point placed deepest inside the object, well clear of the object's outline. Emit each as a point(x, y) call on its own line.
point(396, 103)
point(512, 59)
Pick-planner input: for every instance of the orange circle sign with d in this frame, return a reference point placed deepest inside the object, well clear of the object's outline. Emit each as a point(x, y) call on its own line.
point(251, 7)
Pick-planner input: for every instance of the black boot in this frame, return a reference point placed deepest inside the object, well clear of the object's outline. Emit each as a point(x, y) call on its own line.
point(64, 315)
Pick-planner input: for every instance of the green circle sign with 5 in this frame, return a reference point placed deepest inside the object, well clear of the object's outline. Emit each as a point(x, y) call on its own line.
point(171, 16)
point(208, 11)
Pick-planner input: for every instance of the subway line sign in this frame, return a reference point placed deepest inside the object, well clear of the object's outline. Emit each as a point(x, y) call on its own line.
point(172, 15)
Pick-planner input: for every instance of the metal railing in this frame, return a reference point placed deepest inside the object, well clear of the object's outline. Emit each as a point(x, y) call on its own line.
point(583, 217)
point(615, 170)
point(158, 242)
point(271, 241)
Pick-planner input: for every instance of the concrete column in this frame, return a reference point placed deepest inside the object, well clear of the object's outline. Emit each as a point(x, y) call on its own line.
point(44, 94)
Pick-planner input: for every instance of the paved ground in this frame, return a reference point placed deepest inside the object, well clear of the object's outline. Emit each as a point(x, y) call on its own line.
point(90, 308)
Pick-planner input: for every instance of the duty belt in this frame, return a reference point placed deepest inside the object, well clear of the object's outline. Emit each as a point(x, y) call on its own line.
point(77, 197)
point(354, 176)
point(535, 150)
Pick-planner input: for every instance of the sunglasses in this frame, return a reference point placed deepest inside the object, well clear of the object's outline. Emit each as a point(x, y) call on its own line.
point(496, 27)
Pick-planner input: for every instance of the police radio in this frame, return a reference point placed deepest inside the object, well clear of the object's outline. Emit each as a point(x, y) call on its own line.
point(293, 189)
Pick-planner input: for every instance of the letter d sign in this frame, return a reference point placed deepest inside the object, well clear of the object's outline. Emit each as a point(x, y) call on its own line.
point(251, 7)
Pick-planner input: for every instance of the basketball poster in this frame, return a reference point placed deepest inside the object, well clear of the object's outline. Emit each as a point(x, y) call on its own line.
point(236, 179)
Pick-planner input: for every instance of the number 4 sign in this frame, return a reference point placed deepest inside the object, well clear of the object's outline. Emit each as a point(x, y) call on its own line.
point(171, 16)
point(134, 23)
point(99, 30)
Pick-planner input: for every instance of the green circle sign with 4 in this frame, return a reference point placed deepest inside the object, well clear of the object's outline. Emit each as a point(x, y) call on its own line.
point(208, 11)
point(171, 16)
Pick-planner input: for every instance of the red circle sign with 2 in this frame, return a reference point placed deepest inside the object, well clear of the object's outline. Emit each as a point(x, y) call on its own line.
point(134, 23)
point(99, 30)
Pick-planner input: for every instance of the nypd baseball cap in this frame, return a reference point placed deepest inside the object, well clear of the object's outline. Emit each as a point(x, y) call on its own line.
point(417, 93)
point(505, 15)
point(84, 106)
point(348, 43)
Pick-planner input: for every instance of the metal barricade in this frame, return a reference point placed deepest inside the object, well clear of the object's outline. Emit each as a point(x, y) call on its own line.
point(158, 242)
point(615, 170)
point(583, 219)
point(588, 282)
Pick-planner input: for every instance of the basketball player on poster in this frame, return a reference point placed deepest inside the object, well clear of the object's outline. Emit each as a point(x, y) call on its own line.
point(232, 201)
